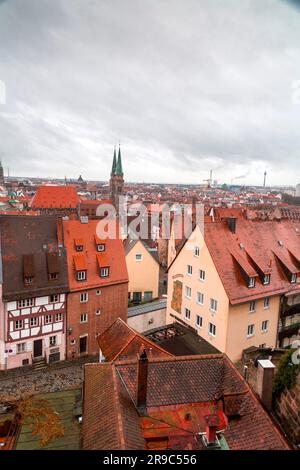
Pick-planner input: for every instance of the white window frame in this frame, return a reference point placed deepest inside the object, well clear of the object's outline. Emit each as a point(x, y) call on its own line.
point(251, 303)
point(52, 342)
point(81, 275)
point(83, 318)
point(213, 305)
point(189, 270)
point(202, 275)
point(252, 282)
point(187, 317)
point(188, 292)
point(84, 297)
point(212, 329)
point(98, 312)
point(138, 257)
point(19, 324)
point(58, 317)
point(267, 301)
point(22, 347)
point(293, 278)
point(264, 323)
point(197, 251)
point(250, 330)
point(55, 298)
point(46, 317)
point(100, 247)
point(25, 303)
point(200, 295)
point(201, 321)
point(267, 279)
point(33, 323)
point(104, 272)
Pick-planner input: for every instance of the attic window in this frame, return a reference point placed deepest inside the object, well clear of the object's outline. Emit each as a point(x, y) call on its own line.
point(251, 282)
point(28, 280)
point(53, 276)
point(266, 279)
point(78, 244)
point(104, 272)
point(81, 275)
point(100, 247)
point(293, 278)
point(79, 247)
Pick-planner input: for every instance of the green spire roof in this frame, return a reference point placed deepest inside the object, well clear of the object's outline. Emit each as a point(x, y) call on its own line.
point(119, 169)
point(114, 165)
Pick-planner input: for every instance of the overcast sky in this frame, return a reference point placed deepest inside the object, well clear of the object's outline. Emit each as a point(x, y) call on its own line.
point(185, 85)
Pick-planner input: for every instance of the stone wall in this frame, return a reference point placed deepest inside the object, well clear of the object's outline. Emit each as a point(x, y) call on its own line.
point(287, 408)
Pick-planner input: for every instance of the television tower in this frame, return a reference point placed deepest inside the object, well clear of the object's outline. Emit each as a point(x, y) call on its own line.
point(265, 176)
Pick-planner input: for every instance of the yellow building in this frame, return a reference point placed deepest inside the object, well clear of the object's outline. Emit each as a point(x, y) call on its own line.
point(228, 284)
point(143, 271)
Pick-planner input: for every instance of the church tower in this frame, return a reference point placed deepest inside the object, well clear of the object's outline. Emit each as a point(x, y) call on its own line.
point(116, 179)
point(1, 175)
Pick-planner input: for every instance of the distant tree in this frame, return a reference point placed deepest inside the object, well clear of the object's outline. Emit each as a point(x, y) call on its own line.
point(37, 414)
point(225, 187)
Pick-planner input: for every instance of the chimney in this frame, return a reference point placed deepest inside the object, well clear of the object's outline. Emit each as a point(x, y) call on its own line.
point(264, 381)
point(210, 437)
point(232, 224)
point(142, 378)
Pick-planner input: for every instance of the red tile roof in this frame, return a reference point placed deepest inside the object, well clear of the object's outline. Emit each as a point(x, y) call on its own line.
point(181, 393)
point(120, 341)
point(55, 197)
point(113, 256)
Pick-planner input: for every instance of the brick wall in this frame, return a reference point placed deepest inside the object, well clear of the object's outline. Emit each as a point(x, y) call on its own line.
point(288, 411)
point(112, 303)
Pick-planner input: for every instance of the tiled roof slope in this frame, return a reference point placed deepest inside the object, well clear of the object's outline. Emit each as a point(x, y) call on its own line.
point(261, 240)
point(29, 247)
point(55, 197)
point(89, 258)
point(120, 341)
point(176, 387)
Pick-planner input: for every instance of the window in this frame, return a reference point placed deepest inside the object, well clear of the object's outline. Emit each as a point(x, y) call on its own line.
point(250, 330)
point(197, 251)
point(48, 319)
point(251, 282)
point(264, 326)
point(83, 318)
point(138, 257)
point(98, 292)
point(54, 298)
point(33, 321)
point(189, 269)
point(266, 302)
point(52, 341)
point(18, 324)
point(104, 272)
point(213, 305)
point(148, 295)
point(58, 317)
point(28, 280)
point(252, 306)
point(81, 275)
point(25, 303)
point(267, 278)
point(137, 296)
point(187, 313)
point(98, 312)
point(79, 247)
point(199, 321)
point(21, 348)
point(293, 278)
point(200, 298)
point(84, 297)
point(53, 276)
point(212, 329)
point(188, 292)
point(101, 247)
point(201, 275)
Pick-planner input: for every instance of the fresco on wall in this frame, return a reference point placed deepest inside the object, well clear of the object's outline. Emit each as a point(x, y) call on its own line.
point(177, 296)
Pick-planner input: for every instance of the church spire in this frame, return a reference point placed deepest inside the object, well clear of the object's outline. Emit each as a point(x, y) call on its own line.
point(114, 165)
point(119, 169)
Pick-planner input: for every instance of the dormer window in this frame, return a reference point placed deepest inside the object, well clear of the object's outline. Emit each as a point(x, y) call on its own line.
point(104, 272)
point(78, 244)
point(81, 275)
point(28, 280)
point(79, 247)
point(100, 247)
point(266, 279)
point(251, 282)
point(53, 276)
point(293, 278)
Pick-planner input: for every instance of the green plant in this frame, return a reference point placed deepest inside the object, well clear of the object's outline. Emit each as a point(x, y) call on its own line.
point(286, 374)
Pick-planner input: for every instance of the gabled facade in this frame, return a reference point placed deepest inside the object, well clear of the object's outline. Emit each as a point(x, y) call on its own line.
point(34, 287)
point(143, 271)
point(98, 285)
point(231, 284)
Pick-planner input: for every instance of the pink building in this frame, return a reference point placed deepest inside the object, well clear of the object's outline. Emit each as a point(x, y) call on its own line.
point(34, 287)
